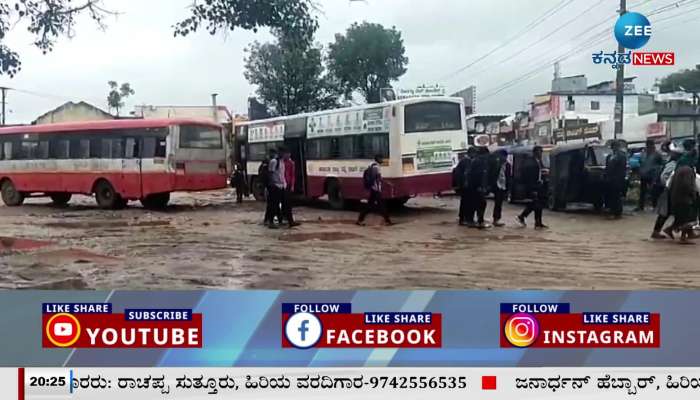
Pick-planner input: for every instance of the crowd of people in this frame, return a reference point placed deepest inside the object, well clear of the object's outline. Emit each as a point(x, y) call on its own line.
point(669, 180)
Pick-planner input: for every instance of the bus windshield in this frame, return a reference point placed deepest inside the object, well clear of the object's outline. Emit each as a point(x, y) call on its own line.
point(432, 116)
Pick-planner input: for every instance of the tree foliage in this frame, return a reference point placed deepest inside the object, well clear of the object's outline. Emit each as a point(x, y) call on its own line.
point(46, 20)
point(290, 76)
point(688, 79)
point(367, 59)
point(117, 94)
point(291, 18)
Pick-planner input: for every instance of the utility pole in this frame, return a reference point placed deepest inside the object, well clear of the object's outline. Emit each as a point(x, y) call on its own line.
point(620, 84)
point(4, 96)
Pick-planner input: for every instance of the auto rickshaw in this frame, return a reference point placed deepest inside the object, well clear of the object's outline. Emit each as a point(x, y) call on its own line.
point(517, 156)
point(577, 175)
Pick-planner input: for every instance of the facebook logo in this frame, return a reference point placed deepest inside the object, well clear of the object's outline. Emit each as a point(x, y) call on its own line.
point(303, 330)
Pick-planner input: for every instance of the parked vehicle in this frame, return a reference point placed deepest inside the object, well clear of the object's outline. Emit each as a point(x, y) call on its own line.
point(114, 160)
point(419, 139)
point(576, 175)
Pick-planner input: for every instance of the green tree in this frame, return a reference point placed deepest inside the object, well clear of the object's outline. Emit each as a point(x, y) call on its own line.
point(367, 59)
point(46, 20)
point(292, 18)
point(688, 79)
point(290, 77)
point(117, 94)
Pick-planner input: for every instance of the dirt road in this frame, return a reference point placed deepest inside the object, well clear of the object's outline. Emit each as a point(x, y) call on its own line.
point(205, 240)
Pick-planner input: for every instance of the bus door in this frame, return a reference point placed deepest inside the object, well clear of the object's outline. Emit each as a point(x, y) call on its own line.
point(296, 148)
point(132, 168)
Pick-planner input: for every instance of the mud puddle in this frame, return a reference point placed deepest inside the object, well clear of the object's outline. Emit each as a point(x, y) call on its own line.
point(11, 244)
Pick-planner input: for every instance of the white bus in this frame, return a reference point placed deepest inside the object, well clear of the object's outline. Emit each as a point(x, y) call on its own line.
point(419, 139)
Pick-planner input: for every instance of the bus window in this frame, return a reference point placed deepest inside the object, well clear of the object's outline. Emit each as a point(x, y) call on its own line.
point(28, 150)
point(7, 146)
point(60, 149)
point(200, 137)
point(432, 116)
point(319, 149)
point(149, 147)
point(161, 148)
point(258, 151)
point(79, 148)
point(95, 147)
point(42, 152)
point(377, 144)
point(132, 148)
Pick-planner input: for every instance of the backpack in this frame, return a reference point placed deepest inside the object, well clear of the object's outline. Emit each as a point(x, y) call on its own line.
point(264, 172)
point(368, 177)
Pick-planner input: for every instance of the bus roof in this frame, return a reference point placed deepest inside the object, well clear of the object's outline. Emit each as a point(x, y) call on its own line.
point(355, 108)
point(105, 125)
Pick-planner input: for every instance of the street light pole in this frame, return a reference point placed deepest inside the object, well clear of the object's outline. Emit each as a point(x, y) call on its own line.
point(620, 84)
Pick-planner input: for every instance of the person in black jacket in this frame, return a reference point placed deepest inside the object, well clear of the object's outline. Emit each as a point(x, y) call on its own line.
point(459, 182)
point(615, 176)
point(478, 185)
point(535, 187)
point(499, 182)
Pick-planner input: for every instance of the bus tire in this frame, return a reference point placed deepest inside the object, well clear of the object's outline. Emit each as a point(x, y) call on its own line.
point(60, 199)
point(156, 201)
point(10, 196)
point(335, 195)
point(258, 189)
point(107, 198)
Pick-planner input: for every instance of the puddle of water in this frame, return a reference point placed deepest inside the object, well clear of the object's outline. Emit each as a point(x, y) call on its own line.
point(322, 236)
point(9, 244)
point(104, 224)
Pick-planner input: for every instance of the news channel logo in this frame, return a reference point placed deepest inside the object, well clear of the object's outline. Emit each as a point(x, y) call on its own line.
point(303, 330)
point(522, 330)
point(63, 330)
point(632, 30)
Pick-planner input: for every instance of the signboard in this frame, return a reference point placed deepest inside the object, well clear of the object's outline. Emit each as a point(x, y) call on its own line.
point(356, 122)
point(582, 132)
point(269, 132)
point(431, 154)
point(421, 91)
point(656, 130)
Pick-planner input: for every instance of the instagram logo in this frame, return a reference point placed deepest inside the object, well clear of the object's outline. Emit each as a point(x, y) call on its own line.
point(522, 329)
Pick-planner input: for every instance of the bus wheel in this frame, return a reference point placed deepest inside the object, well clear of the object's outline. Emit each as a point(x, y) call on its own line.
point(60, 199)
point(10, 196)
point(335, 195)
point(156, 201)
point(258, 189)
point(107, 198)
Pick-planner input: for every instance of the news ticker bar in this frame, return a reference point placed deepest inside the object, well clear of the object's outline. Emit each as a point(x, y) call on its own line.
point(349, 383)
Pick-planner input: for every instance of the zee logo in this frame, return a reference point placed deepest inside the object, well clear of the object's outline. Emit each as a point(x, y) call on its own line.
point(632, 30)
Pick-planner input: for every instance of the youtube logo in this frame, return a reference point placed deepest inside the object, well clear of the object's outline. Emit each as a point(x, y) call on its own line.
point(488, 382)
point(63, 330)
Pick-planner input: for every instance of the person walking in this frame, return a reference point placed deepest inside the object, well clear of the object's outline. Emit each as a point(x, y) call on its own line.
point(615, 176)
point(651, 164)
point(499, 181)
point(278, 188)
point(663, 206)
point(264, 176)
point(290, 182)
point(478, 186)
point(459, 182)
point(683, 194)
point(535, 187)
point(372, 180)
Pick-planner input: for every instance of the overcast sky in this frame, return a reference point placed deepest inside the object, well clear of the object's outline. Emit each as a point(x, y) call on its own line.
point(440, 36)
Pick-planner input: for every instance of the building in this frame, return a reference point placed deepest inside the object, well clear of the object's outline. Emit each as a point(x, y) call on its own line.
point(588, 111)
point(70, 112)
point(678, 119)
point(484, 129)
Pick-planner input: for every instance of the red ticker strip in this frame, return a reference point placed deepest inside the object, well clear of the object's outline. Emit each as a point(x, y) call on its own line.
point(20, 383)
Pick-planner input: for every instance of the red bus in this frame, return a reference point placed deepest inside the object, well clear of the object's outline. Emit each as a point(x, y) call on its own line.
point(115, 160)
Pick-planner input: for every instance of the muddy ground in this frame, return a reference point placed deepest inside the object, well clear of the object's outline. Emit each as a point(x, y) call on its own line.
point(205, 240)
